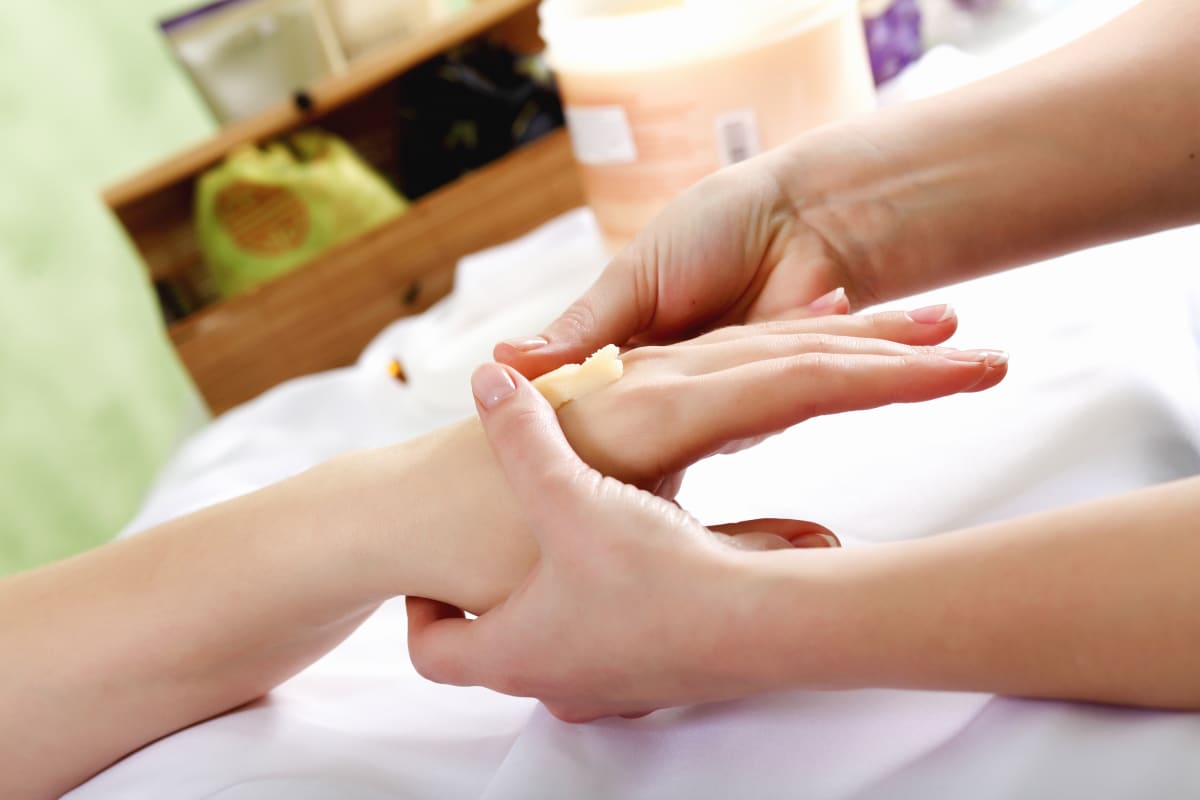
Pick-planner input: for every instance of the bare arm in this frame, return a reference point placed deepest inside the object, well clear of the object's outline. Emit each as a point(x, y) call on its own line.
point(108, 651)
point(1095, 142)
point(1095, 602)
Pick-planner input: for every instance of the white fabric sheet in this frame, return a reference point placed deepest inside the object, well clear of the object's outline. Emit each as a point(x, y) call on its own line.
point(1103, 396)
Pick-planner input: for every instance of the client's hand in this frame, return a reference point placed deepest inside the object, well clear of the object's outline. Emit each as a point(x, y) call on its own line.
point(674, 405)
point(677, 404)
point(599, 627)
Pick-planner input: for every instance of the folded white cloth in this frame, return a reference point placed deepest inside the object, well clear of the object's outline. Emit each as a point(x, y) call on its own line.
point(1103, 396)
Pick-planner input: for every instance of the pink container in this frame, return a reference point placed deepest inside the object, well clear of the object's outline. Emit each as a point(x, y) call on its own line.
point(660, 93)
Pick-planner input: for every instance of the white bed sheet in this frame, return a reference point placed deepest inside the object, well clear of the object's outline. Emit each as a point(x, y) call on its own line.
point(1103, 396)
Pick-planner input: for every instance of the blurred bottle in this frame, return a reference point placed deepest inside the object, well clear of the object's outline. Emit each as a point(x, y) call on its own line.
point(660, 93)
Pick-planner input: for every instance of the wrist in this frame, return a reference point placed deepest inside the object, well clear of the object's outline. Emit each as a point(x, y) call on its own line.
point(807, 620)
point(841, 187)
point(434, 517)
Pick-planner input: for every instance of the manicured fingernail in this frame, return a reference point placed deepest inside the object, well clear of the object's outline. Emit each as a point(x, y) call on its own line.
point(816, 540)
point(827, 302)
point(930, 315)
point(491, 384)
point(527, 344)
point(993, 358)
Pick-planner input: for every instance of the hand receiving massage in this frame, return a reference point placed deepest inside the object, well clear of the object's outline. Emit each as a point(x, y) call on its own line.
point(1097, 141)
point(117, 647)
point(631, 603)
point(213, 610)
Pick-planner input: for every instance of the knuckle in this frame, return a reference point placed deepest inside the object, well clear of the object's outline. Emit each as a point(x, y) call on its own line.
point(816, 363)
point(814, 342)
point(578, 320)
point(558, 481)
point(646, 353)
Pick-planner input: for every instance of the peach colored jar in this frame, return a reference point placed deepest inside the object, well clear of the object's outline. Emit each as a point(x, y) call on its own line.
point(660, 93)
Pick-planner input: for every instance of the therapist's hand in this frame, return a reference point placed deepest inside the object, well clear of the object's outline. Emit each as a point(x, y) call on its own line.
point(731, 249)
point(673, 406)
point(620, 614)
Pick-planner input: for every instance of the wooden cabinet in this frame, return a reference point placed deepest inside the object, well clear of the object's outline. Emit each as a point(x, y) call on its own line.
point(320, 315)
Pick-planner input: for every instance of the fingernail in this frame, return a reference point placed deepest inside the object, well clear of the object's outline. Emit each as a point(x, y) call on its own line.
point(527, 344)
point(491, 383)
point(816, 540)
point(828, 302)
point(993, 358)
point(930, 315)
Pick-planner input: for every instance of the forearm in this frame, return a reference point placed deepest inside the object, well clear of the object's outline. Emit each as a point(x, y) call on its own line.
point(1096, 602)
point(119, 646)
point(466, 541)
point(1095, 142)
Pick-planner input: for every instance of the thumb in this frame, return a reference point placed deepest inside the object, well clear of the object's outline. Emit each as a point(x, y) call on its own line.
point(612, 311)
point(767, 534)
point(548, 479)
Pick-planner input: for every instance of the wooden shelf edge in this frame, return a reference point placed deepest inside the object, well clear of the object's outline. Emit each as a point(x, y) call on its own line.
point(368, 74)
point(320, 315)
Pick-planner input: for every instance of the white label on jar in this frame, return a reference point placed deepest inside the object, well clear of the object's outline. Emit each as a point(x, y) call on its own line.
point(737, 136)
point(600, 135)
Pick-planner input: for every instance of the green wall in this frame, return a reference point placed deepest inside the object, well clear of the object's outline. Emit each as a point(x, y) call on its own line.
point(92, 399)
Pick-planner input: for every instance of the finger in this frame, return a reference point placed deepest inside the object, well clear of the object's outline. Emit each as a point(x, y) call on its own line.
point(752, 347)
point(755, 541)
point(619, 304)
point(438, 638)
point(769, 396)
point(834, 302)
point(668, 486)
point(922, 326)
point(548, 479)
point(799, 533)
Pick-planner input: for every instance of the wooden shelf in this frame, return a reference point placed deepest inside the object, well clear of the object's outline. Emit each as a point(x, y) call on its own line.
point(320, 315)
point(365, 75)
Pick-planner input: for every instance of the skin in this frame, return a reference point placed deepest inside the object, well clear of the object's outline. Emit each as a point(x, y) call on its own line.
point(1096, 142)
point(1052, 605)
point(112, 649)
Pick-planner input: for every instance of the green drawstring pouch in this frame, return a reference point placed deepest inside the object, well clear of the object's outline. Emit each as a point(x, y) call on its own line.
point(268, 209)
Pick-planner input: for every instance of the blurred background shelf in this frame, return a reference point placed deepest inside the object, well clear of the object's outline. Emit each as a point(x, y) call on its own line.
point(320, 315)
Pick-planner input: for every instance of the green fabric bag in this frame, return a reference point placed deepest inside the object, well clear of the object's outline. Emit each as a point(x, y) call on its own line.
point(268, 209)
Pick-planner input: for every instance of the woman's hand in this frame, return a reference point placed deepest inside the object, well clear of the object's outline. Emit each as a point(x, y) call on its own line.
point(731, 249)
point(599, 627)
point(635, 606)
point(677, 404)
point(674, 406)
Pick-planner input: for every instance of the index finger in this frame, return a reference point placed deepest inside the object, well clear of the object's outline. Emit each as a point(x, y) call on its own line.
point(618, 306)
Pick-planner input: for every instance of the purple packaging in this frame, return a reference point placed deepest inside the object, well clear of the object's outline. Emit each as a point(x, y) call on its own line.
point(893, 30)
